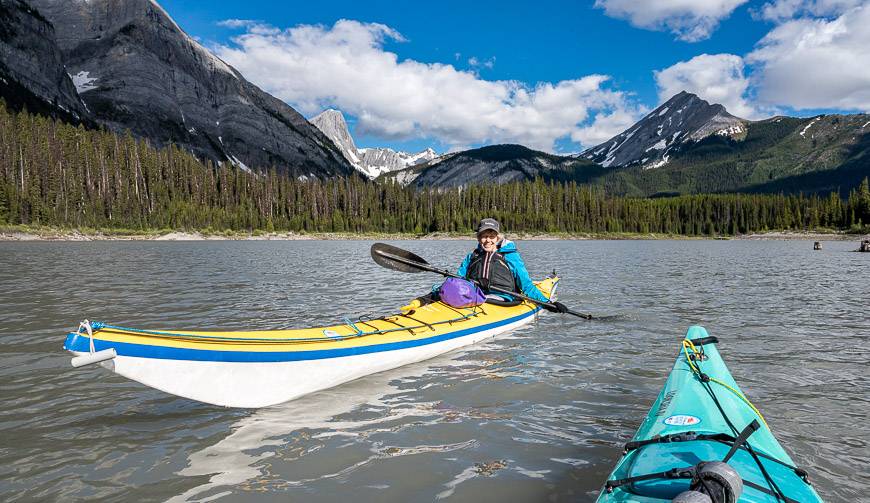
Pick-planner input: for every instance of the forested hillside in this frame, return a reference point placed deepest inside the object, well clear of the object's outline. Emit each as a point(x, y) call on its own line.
point(784, 154)
point(52, 173)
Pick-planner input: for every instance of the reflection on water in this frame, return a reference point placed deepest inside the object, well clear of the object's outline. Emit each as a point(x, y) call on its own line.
point(534, 415)
point(240, 457)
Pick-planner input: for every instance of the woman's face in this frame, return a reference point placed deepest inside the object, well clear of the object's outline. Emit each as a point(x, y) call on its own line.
point(488, 240)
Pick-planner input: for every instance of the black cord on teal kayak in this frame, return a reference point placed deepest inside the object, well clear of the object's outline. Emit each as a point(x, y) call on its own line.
point(694, 354)
point(705, 381)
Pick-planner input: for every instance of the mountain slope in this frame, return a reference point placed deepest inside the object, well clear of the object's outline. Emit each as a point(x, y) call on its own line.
point(136, 69)
point(684, 118)
point(818, 154)
point(372, 162)
point(32, 74)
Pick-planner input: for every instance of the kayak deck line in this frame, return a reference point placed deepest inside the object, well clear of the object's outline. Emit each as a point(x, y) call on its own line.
point(105, 328)
point(698, 354)
point(259, 368)
point(700, 437)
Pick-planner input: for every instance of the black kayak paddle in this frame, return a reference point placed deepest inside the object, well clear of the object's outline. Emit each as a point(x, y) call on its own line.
point(397, 259)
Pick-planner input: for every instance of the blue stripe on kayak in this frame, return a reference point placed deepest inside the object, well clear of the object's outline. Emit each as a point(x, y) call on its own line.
point(81, 343)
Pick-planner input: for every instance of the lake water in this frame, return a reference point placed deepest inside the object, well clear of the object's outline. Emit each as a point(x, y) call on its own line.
point(537, 415)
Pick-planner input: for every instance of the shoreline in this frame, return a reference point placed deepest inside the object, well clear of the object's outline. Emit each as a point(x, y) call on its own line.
point(14, 233)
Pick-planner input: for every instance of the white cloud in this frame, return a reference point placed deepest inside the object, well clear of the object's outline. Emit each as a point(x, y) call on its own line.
point(475, 62)
point(781, 10)
point(607, 125)
point(689, 20)
point(236, 23)
point(345, 66)
point(716, 78)
point(816, 63)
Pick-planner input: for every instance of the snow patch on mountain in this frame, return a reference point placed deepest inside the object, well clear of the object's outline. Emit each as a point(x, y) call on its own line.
point(661, 145)
point(83, 81)
point(809, 125)
point(239, 164)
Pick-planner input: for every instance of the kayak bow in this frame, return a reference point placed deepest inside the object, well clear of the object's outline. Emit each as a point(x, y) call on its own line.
point(261, 368)
point(700, 419)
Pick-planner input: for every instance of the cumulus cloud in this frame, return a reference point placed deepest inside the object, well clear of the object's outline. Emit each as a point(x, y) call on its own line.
point(816, 63)
point(781, 10)
point(345, 66)
point(689, 20)
point(716, 78)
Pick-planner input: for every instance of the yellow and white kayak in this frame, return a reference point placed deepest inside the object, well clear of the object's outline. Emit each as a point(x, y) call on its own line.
point(262, 368)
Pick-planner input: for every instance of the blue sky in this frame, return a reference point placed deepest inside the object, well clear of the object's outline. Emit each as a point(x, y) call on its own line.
point(557, 76)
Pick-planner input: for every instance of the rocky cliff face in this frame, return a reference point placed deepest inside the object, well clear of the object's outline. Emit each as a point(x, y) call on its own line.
point(651, 141)
point(32, 74)
point(136, 69)
point(372, 162)
point(332, 124)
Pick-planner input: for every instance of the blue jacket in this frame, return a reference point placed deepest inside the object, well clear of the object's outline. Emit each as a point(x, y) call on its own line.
point(509, 250)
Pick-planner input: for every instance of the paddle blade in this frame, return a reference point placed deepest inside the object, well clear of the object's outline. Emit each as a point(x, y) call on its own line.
point(396, 258)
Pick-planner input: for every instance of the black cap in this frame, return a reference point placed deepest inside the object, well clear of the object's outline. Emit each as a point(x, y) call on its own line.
point(488, 224)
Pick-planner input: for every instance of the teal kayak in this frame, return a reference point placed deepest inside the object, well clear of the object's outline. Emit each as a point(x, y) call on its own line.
point(704, 441)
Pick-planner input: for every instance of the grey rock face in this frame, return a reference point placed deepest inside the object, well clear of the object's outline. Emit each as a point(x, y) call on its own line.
point(32, 73)
point(493, 164)
point(136, 69)
point(650, 142)
point(332, 124)
point(372, 162)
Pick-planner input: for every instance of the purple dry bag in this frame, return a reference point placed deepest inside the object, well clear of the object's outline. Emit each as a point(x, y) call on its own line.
point(461, 293)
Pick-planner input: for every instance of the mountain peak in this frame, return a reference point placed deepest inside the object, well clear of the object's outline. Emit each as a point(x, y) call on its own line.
point(370, 161)
point(331, 122)
point(683, 118)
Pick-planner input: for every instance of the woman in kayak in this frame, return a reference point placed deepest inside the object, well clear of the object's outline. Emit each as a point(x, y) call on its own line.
point(497, 263)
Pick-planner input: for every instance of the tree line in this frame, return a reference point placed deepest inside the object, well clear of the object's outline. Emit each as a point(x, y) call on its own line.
point(56, 174)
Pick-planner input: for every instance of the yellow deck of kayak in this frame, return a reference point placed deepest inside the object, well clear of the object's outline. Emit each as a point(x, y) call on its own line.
point(431, 320)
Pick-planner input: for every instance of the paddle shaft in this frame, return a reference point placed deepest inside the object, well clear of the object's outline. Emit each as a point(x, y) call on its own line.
point(449, 274)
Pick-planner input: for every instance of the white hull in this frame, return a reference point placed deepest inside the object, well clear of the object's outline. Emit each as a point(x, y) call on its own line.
point(260, 384)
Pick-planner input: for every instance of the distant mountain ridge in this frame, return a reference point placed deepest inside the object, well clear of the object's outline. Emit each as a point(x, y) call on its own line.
point(491, 164)
point(134, 69)
point(781, 154)
point(684, 146)
point(372, 162)
point(651, 141)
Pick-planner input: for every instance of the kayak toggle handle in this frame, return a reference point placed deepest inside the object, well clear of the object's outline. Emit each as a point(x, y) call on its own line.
point(91, 358)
